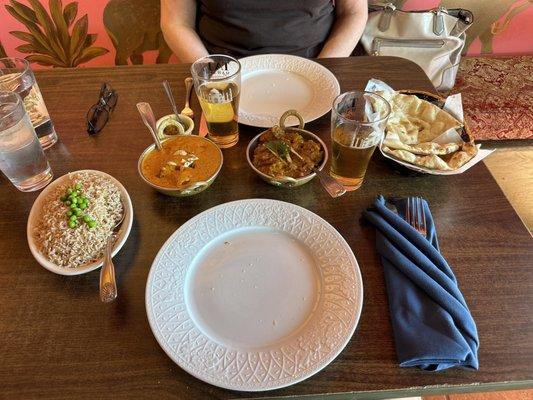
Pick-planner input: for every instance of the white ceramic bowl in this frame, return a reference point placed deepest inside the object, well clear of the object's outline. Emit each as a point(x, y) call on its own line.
point(34, 215)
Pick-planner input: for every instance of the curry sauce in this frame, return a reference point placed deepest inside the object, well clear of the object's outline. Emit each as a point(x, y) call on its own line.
point(181, 162)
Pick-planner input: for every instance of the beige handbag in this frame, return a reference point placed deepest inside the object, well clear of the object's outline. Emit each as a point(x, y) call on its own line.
point(433, 39)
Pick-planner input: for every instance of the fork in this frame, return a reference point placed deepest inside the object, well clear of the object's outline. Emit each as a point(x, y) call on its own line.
point(108, 283)
point(415, 215)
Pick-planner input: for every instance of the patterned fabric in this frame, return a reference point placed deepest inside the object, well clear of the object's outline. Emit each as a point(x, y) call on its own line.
point(497, 96)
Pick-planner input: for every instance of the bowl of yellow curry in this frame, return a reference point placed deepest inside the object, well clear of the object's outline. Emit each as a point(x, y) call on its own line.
point(186, 165)
point(286, 156)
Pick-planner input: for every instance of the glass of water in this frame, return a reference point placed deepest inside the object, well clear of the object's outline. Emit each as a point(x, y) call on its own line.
point(22, 157)
point(17, 76)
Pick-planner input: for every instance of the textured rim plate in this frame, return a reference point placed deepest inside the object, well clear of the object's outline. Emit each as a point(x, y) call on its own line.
point(38, 204)
point(273, 361)
point(275, 83)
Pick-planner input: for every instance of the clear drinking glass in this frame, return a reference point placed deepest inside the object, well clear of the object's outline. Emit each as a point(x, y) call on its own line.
point(358, 122)
point(22, 157)
point(17, 76)
point(217, 82)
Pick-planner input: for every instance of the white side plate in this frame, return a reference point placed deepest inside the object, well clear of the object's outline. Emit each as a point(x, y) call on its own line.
point(275, 83)
point(254, 295)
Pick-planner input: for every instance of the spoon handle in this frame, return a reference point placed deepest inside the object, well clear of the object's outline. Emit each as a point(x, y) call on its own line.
point(170, 96)
point(148, 118)
point(108, 283)
point(188, 87)
point(334, 188)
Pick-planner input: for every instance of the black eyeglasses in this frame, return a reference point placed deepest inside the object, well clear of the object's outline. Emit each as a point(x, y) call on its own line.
point(99, 113)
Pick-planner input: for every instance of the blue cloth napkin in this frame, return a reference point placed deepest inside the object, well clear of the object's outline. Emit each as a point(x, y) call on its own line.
point(433, 327)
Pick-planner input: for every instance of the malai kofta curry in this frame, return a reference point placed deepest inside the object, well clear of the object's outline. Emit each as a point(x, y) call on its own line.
point(181, 162)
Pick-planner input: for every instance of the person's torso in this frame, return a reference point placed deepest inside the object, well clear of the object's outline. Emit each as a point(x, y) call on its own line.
point(247, 27)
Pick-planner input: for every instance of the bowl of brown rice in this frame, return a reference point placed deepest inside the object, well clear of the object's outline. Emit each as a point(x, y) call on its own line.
point(79, 247)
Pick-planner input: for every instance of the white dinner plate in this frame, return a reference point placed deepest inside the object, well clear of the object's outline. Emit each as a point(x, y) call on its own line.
point(254, 295)
point(34, 215)
point(274, 83)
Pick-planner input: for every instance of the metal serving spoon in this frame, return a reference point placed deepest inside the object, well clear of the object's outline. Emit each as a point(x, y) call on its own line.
point(334, 188)
point(108, 283)
point(148, 118)
point(170, 96)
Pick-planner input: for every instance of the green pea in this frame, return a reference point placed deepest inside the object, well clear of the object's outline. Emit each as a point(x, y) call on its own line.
point(87, 219)
point(76, 212)
point(72, 224)
point(77, 186)
point(73, 218)
point(84, 199)
point(74, 200)
point(69, 213)
point(67, 203)
point(82, 206)
point(72, 206)
point(91, 223)
point(69, 191)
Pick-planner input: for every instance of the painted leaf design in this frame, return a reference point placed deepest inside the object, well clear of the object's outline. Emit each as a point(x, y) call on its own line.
point(79, 34)
point(28, 37)
point(91, 38)
point(46, 60)
point(89, 53)
point(49, 28)
point(49, 40)
point(43, 18)
point(3, 53)
point(26, 48)
point(21, 12)
point(70, 12)
point(56, 8)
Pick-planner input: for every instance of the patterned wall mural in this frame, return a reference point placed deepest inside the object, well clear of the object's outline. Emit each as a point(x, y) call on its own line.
point(56, 33)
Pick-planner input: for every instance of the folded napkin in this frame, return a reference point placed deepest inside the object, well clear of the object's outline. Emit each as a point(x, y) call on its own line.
point(433, 327)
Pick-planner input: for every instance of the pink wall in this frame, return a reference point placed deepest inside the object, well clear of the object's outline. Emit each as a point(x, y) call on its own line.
point(517, 38)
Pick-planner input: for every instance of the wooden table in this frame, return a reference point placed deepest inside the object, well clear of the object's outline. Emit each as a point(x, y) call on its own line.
point(57, 341)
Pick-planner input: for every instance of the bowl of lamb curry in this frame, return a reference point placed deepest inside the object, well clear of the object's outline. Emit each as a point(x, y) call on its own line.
point(186, 165)
point(286, 156)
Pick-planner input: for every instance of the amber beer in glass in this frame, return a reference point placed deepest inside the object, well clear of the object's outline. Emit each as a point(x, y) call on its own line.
point(217, 82)
point(358, 122)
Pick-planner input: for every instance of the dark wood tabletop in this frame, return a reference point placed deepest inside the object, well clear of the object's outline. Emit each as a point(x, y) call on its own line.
point(58, 341)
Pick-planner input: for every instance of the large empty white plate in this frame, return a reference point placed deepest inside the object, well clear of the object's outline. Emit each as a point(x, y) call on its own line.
point(275, 83)
point(254, 295)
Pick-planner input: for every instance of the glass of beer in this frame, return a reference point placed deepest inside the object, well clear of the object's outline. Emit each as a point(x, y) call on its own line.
point(217, 82)
point(358, 122)
point(17, 76)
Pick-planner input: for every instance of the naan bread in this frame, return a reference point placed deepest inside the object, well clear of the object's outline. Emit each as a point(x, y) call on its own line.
point(449, 162)
point(429, 161)
point(460, 158)
point(392, 141)
point(415, 120)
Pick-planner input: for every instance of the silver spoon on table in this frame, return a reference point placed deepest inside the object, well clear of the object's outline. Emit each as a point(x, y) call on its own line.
point(148, 118)
point(108, 283)
point(334, 188)
point(170, 96)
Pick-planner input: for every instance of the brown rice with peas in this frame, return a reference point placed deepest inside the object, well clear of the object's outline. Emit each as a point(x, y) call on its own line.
point(71, 248)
